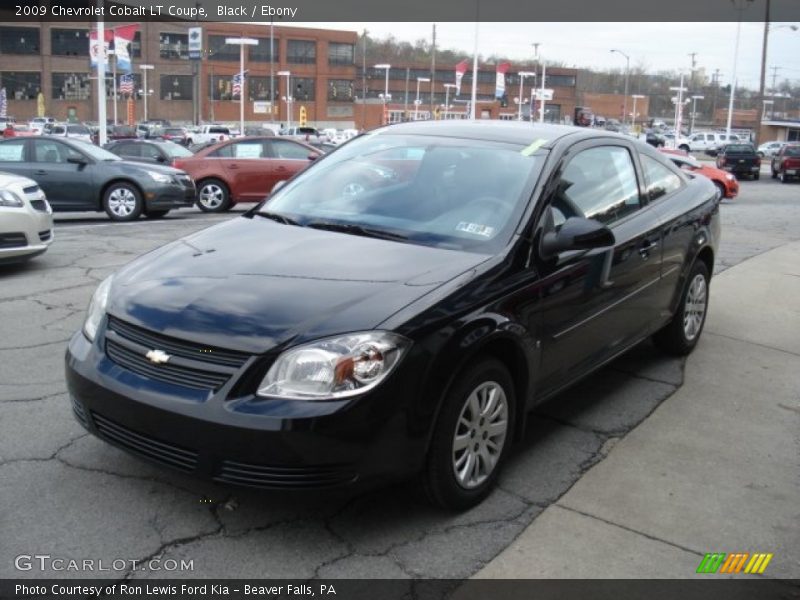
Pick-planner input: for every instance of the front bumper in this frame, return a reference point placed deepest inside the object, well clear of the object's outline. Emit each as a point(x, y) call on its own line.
point(25, 232)
point(171, 195)
point(246, 440)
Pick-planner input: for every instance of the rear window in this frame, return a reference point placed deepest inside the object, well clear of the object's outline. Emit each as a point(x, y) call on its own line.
point(224, 130)
point(792, 151)
point(738, 148)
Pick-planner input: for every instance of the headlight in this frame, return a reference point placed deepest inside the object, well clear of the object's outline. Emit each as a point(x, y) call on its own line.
point(97, 308)
point(335, 367)
point(159, 177)
point(9, 198)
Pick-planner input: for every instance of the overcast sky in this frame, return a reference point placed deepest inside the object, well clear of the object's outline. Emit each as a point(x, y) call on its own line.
point(655, 46)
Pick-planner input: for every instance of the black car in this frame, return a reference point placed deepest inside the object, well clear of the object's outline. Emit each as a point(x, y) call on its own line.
point(397, 308)
point(79, 176)
point(148, 151)
point(740, 159)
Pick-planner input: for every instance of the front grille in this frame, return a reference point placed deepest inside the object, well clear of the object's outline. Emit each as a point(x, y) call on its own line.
point(45, 235)
point(13, 240)
point(176, 347)
point(170, 373)
point(183, 459)
point(79, 411)
point(40, 205)
point(263, 476)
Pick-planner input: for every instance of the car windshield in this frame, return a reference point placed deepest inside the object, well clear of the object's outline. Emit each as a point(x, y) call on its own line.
point(79, 129)
point(176, 150)
point(792, 151)
point(435, 191)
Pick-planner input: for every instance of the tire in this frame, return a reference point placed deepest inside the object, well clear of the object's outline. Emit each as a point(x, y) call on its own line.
point(784, 178)
point(122, 201)
point(213, 196)
point(721, 188)
point(684, 147)
point(756, 176)
point(774, 173)
point(460, 423)
point(681, 334)
point(760, 154)
point(156, 214)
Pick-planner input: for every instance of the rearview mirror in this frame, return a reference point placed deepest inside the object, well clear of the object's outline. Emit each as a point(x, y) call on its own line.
point(577, 234)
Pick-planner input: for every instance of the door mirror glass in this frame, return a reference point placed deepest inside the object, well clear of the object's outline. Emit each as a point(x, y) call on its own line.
point(577, 233)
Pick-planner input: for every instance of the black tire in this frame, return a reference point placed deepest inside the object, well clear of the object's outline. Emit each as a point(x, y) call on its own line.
point(156, 214)
point(673, 337)
point(783, 177)
point(684, 147)
point(123, 201)
point(439, 479)
point(774, 173)
point(213, 196)
point(756, 176)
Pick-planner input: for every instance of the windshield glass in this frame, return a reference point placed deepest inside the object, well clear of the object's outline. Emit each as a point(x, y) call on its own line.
point(436, 191)
point(176, 150)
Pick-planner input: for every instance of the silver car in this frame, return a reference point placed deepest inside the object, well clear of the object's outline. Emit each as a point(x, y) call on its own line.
point(26, 219)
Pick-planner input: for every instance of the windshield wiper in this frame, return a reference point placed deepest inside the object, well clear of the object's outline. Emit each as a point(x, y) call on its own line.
point(277, 217)
point(354, 229)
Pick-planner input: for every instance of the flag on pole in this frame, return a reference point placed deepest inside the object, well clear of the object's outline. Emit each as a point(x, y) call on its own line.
point(3, 103)
point(96, 49)
point(238, 79)
point(123, 36)
point(461, 68)
point(126, 84)
point(500, 85)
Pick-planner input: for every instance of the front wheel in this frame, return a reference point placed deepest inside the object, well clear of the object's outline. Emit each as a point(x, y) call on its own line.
point(472, 436)
point(122, 201)
point(213, 196)
point(682, 333)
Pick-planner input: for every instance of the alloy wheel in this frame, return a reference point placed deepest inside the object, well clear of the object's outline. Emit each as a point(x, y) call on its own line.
point(122, 202)
point(695, 307)
point(211, 196)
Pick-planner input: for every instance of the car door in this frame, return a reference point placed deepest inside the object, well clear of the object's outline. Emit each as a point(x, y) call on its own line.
point(68, 185)
point(13, 157)
point(598, 302)
point(288, 158)
point(246, 169)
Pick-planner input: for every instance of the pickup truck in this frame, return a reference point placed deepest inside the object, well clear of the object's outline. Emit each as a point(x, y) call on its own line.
point(786, 163)
point(739, 159)
point(208, 133)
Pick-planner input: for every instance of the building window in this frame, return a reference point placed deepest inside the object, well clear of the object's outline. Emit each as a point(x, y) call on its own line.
point(19, 40)
point(258, 87)
point(136, 45)
point(340, 54)
point(301, 52)
point(219, 87)
point(71, 86)
point(176, 87)
point(69, 42)
point(173, 46)
point(560, 80)
point(219, 50)
point(303, 89)
point(340, 90)
point(261, 53)
point(21, 85)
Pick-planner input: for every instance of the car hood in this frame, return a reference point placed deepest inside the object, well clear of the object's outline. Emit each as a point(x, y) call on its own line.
point(251, 284)
point(8, 179)
point(138, 166)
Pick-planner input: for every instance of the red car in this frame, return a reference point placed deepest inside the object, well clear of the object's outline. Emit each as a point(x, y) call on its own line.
point(725, 182)
point(786, 163)
point(13, 130)
point(243, 169)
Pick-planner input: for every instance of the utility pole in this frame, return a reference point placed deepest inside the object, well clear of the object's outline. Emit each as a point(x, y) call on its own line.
point(760, 104)
point(694, 68)
point(715, 84)
point(433, 65)
point(364, 80)
point(775, 78)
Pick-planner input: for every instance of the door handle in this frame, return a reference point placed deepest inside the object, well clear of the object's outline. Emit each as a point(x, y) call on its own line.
point(41, 172)
point(233, 166)
point(646, 248)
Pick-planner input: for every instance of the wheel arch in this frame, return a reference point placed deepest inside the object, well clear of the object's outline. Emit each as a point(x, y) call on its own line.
point(116, 180)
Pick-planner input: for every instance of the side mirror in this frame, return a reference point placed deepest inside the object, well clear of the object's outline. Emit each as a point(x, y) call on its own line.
point(577, 234)
point(278, 185)
point(313, 156)
point(77, 160)
point(161, 159)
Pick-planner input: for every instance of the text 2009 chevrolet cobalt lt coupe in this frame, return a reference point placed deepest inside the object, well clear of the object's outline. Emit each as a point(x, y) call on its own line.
point(397, 308)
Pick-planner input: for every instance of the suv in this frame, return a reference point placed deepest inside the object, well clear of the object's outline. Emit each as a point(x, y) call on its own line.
point(786, 163)
point(301, 133)
point(706, 141)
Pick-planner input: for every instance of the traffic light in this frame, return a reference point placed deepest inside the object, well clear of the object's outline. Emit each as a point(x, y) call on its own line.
point(303, 116)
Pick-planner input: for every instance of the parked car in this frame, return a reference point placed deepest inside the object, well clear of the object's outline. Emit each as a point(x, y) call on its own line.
point(14, 130)
point(786, 163)
point(75, 131)
point(38, 123)
point(244, 169)
point(739, 159)
point(208, 133)
point(149, 151)
point(26, 220)
point(726, 182)
point(121, 132)
point(654, 138)
point(301, 133)
point(396, 309)
point(179, 135)
point(770, 149)
point(79, 176)
point(706, 140)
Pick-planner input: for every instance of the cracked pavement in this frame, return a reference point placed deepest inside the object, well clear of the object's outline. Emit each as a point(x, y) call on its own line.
point(70, 495)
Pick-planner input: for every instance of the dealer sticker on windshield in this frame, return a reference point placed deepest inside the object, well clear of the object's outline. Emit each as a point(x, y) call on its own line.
point(475, 229)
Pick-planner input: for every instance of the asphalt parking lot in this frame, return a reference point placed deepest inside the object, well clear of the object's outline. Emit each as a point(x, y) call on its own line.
point(68, 495)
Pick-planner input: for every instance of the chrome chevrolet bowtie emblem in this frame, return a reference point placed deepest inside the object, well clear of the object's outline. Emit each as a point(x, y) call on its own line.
point(158, 357)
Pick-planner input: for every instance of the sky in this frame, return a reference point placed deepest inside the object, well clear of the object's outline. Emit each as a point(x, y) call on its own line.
point(655, 46)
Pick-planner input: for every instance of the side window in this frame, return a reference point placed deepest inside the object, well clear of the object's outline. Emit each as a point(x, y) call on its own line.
point(599, 183)
point(660, 180)
point(149, 151)
point(50, 151)
point(12, 151)
point(286, 149)
point(224, 152)
point(127, 150)
point(247, 150)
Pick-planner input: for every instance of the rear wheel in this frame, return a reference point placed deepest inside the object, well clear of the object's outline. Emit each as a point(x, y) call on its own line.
point(472, 436)
point(122, 201)
point(774, 173)
point(213, 196)
point(682, 333)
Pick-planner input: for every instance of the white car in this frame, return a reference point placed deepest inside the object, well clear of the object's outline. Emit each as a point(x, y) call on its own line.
point(74, 131)
point(38, 123)
point(26, 219)
point(770, 149)
point(706, 140)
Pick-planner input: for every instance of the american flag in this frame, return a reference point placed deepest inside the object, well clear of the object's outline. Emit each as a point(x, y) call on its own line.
point(237, 84)
point(126, 84)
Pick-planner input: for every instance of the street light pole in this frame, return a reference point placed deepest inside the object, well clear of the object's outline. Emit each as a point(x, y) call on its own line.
point(522, 75)
point(447, 88)
point(417, 101)
point(627, 75)
point(635, 98)
point(241, 42)
point(288, 96)
point(385, 90)
point(145, 69)
point(695, 98)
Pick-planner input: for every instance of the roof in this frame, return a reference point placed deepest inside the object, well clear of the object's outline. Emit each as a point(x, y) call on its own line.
point(515, 132)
